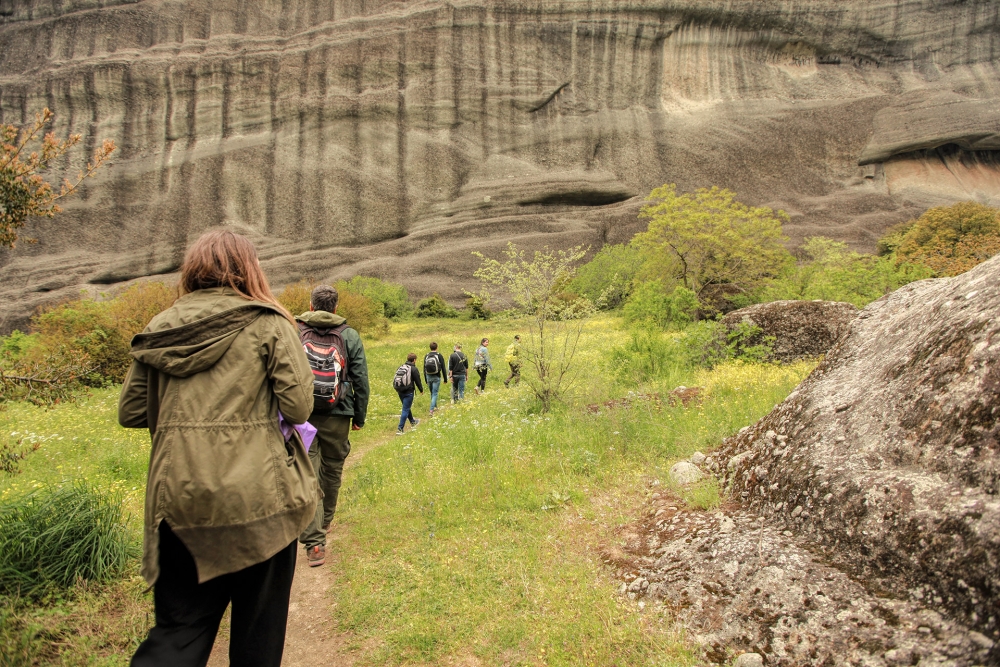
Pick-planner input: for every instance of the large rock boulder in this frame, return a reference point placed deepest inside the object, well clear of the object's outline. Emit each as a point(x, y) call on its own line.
point(868, 526)
point(395, 138)
point(800, 329)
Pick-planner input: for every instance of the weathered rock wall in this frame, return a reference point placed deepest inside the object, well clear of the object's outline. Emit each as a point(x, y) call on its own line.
point(394, 137)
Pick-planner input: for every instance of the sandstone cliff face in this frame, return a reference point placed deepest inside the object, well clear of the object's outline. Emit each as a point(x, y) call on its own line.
point(394, 137)
point(867, 522)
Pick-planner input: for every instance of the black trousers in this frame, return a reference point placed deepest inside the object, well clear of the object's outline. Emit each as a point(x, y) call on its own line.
point(188, 613)
point(482, 370)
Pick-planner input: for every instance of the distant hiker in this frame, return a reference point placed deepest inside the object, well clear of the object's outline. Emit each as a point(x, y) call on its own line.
point(434, 374)
point(407, 377)
point(482, 364)
point(458, 370)
point(340, 404)
point(513, 359)
point(226, 494)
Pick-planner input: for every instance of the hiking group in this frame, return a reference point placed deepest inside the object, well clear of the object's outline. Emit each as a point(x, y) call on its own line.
point(436, 373)
point(250, 412)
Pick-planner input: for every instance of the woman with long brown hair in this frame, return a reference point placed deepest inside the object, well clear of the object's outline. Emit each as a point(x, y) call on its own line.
point(226, 495)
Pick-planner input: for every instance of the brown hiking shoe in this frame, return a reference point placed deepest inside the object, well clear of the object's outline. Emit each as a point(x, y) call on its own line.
point(316, 555)
point(326, 527)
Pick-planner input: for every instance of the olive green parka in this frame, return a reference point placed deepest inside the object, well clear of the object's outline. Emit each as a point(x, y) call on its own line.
point(209, 376)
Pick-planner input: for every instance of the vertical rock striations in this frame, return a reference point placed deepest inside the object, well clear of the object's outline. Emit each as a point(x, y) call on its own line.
point(394, 137)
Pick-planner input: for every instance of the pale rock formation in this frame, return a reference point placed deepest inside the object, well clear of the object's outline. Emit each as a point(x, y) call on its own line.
point(393, 138)
point(869, 525)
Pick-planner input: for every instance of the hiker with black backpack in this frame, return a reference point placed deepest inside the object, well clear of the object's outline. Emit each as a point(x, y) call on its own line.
point(458, 371)
point(340, 404)
point(407, 377)
point(434, 374)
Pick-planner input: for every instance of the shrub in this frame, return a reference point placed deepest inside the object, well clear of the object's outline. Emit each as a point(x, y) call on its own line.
point(295, 297)
point(607, 278)
point(650, 305)
point(393, 297)
point(84, 330)
point(477, 307)
point(132, 308)
point(363, 314)
point(54, 536)
point(435, 306)
point(833, 272)
point(16, 345)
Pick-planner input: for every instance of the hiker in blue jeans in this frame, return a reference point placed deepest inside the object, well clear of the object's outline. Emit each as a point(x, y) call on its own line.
point(458, 371)
point(407, 377)
point(434, 374)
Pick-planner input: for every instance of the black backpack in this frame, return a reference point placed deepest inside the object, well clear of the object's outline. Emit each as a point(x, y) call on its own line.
point(327, 355)
point(432, 364)
point(402, 382)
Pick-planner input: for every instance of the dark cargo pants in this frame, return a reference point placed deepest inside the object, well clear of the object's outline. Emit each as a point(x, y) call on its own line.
point(327, 455)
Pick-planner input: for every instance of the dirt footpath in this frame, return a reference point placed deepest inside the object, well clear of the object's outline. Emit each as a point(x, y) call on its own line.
point(310, 638)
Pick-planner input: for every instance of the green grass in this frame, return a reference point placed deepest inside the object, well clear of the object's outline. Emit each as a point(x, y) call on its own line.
point(475, 534)
point(475, 537)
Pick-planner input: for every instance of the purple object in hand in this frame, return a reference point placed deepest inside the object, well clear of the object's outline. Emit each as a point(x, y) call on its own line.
point(306, 431)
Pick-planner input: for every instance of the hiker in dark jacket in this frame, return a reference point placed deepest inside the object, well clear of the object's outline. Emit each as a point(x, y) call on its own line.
point(226, 493)
point(405, 390)
point(333, 424)
point(434, 374)
point(458, 371)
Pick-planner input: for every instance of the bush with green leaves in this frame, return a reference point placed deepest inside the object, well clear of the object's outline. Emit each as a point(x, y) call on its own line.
point(393, 297)
point(833, 272)
point(477, 307)
point(607, 278)
point(649, 304)
point(435, 306)
point(54, 536)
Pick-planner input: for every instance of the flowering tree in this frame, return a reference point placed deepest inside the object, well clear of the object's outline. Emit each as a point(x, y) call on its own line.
point(537, 286)
point(23, 191)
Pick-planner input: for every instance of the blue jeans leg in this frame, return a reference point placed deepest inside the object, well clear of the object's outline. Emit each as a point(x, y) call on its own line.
point(407, 400)
point(434, 385)
point(457, 388)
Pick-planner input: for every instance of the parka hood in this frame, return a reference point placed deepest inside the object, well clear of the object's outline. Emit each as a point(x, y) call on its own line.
point(192, 347)
point(320, 319)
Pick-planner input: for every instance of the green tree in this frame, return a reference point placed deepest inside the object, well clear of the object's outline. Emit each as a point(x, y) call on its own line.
point(948, 239)
point(833, 272)
point(536, 286)
point(607, 279)
point(707, 237)
point(24, 193)
point(649, 304)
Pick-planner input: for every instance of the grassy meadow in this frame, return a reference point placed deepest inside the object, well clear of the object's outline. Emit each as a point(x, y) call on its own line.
point(473, 539)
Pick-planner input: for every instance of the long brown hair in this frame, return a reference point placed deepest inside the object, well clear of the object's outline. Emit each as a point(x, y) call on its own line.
point(223, 259)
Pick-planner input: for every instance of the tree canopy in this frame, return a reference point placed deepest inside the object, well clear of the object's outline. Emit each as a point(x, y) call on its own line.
point(948, 239)
point(708, 237)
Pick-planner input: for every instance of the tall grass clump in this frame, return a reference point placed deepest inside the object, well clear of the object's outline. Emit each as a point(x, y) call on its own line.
point(54, 536)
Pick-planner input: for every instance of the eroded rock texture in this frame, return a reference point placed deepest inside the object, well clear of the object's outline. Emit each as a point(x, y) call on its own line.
point(867, 524)
point(794, 329)
point(394, 137)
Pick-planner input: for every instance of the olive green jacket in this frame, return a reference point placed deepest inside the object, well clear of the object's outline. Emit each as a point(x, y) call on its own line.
point(209, 376)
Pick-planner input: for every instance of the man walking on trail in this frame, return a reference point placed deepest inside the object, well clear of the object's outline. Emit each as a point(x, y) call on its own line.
point(483, 365)
point(513, 359)
point(340, 394)
point(458, 370)
point(434, 374)
point(407, 377)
